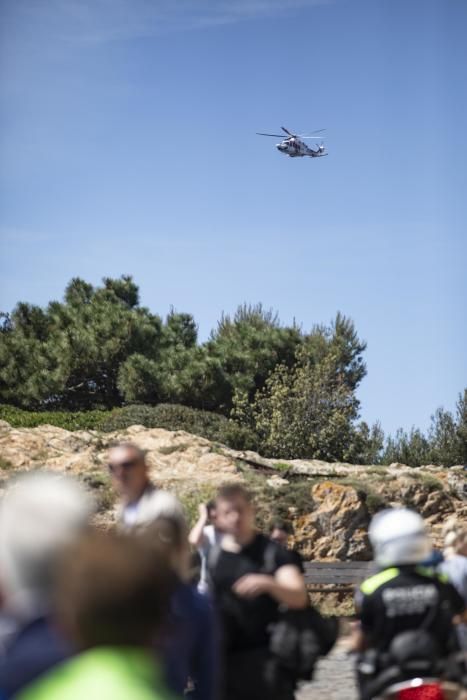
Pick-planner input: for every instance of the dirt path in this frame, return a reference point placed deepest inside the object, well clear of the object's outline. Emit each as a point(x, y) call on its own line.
point(334, 677)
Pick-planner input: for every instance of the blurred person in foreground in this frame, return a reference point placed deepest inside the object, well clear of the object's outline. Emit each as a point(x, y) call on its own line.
point(205, 535)
point(454, 567)
point(111, 602)
point(251, 577)
point(140, 499)
point(40, 515)
point(280, 531)
point(406, 611)
point(190, 645)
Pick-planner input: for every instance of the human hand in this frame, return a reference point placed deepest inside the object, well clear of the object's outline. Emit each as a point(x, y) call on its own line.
point(203, 511)
point(253, 585)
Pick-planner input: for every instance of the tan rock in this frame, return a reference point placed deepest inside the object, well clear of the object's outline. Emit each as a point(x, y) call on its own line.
point(277, 482)
point(330, 508)
point(336, 529)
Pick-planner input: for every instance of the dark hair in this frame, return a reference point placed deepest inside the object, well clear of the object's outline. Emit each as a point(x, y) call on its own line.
point(228, 492)
point(211, 505)
point(110, 592)
point(282, 525)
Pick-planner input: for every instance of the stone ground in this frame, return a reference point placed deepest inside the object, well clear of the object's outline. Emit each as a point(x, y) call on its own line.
point(334, 678)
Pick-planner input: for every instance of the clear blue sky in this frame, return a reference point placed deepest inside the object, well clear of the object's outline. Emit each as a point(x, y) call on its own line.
point(128, 146)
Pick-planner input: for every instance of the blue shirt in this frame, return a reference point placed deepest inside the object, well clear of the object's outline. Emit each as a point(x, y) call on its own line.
point(34, 649)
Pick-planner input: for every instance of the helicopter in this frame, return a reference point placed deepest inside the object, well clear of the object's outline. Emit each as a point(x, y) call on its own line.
point(293, 145)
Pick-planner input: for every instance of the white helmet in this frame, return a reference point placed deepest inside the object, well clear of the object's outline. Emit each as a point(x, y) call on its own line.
point(398, 536)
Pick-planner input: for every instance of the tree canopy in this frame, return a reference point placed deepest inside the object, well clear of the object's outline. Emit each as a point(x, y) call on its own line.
point(292, 391)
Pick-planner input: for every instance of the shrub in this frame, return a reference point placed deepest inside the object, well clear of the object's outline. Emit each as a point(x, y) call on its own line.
point(82, 420)
point(374, 501)
point(5, 464)
point(282, 466)
point(431, 483)
point(101, 488)
point(271, 504)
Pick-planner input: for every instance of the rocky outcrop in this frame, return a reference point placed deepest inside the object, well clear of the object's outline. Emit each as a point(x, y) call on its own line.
point(336, 528)
point(329, 504)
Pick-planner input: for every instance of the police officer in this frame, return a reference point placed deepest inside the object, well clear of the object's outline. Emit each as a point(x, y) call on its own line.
point(403, 597)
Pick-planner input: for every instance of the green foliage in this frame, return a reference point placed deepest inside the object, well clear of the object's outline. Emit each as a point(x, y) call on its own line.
point(344, 343)
point(448, 434)
point(461, 433)
point(307, 408)
point(85, 420)
point(5, 464)
point(182, 373)
point(256, 382)
point(411, 448)
point(296, 498)
point(366, 445)
point(282, 466)
point(271, 504)
point(368, 492)
point(249, 346)
point(379, 471)
point(191, 499)
point(306, 411)
point(194, 378)
point(431, 483)
point(69, 355)
point(445, 444)
point(100, 485)
point(140, 379)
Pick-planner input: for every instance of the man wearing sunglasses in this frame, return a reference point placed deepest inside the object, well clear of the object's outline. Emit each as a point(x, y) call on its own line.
point(141, 501)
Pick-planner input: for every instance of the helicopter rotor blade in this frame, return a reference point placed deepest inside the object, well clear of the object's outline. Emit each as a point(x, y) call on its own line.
point(318, 131)
point(314, 138)
point(287, 131)
point(277, 136)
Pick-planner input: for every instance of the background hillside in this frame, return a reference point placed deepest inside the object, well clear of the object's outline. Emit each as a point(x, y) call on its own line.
point(330, 504)
point(98, 359)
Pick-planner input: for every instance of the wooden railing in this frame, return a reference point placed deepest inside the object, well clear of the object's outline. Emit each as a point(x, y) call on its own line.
point(331, 576)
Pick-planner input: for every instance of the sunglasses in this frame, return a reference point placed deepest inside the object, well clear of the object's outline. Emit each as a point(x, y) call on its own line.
point(129, 464)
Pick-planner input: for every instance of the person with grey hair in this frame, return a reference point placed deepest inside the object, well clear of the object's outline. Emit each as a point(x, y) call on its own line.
point(140, 500)
point(111, 601)
point(40, 515)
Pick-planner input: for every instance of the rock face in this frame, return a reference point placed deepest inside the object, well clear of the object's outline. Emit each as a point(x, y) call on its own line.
point(337, 526)
point(330, 504)
point(173, 456)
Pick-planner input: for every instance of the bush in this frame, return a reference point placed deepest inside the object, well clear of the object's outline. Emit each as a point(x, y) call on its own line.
point(430, 482)
point(175, 417)
point(83, 420)
point(101, 488)
point(5, 464)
